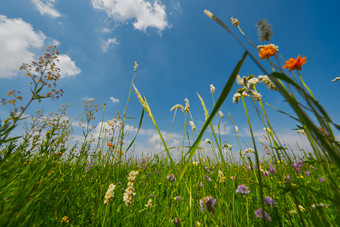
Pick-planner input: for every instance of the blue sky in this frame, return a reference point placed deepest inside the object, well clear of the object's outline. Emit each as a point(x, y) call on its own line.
point(179, 50)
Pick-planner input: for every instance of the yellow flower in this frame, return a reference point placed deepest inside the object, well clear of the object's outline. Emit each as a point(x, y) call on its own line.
point(195, 163)
point(65, 219)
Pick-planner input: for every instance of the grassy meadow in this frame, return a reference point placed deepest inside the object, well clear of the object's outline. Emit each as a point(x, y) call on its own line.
point(46, 181)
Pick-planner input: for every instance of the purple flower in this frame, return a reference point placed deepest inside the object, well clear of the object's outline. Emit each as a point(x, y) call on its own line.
point(176, 221)
point(151, 195)
point(288, 178)
point(171, 177)
point(119, 183)
point(201, 184)
point(307, 173)
point(265, 173)
point(178, 197)
point(208, 203)
point(88, 167)
point(156, 172)
point(321, 179)
point(271, 170)
point(206, 168)
point(269, 201)
point(207, 178)
point(259, 214)
point(242, 189)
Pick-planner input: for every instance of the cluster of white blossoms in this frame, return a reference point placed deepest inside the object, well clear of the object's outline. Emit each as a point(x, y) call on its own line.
point(221, 176)
point(246, 151)
point(110, 193)
point(207, 141)
point(130, 191)
point(248, 87)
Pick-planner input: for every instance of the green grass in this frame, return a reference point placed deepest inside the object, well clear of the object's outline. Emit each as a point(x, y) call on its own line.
point(44, 181)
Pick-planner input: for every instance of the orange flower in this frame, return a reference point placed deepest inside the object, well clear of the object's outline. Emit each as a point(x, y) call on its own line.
point(267, 51)
point(109, 144)
point(117, 151)
point(121, 153)
point(293, 64)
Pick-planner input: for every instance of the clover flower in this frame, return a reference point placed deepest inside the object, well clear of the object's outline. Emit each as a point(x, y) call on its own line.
point(208, 203)
point(295, 64)
point(259, 214)
point(242, 189)
point(267, 51)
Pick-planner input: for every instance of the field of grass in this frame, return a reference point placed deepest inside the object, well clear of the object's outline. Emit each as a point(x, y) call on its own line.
point(45, 181)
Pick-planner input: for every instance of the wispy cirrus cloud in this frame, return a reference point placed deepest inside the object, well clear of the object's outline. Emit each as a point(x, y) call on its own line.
point(106, 44)
point(114, 100)
point(145, 14)
point(46, 7)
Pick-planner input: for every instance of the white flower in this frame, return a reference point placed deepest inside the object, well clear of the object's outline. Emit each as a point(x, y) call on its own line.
point(301, 132)
point(207, 141)
point(212, 88)
point(110, 193)
point(149, 203)
point(236, 97)
point(221, 114)
point(192, 124)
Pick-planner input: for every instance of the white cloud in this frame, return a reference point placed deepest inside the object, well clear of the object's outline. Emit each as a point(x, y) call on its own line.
point(107, 44)
point(146, 14)
point(114, 100)
point(46, 7)
point(67, 66)
point(17, 40)
point(89, 99)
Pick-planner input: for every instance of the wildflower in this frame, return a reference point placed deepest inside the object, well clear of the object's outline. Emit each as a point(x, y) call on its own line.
point(271, 170)
point(287, 178)
point(232, 178)
point(65, 219)
point(253, 81)
point(156, 172)
point(295, 64)
point(171, 177)
point(259, 214)
point(212, 88)
point(149, 204)
point(257, 96)
point(267, 82)
point(207, 178)
point(109, 144)
point(319, 205)
point(59, 154)
point(241, 81)
point(176, 107)
point(321, 179)
point(110, 193)
point(267, 51)
point(227, 146)
point(192, 124)
point(186, 108)
point(269, 201)
point(221, 114)
point(242, 189)
point(236, 129)
point(136, 66)
point(266, 129)
point(301, 208)
point(88, 167)
point(301, 132)
point(246, 151)
point(201, 184)
point(178, 198)
point(195, 163)
point(176, 221)
point(207, 141)
point(207, 203)
point(264, 30)
point(307, 173)
point(130, 190)
point(234, 21)
point(236, 97)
